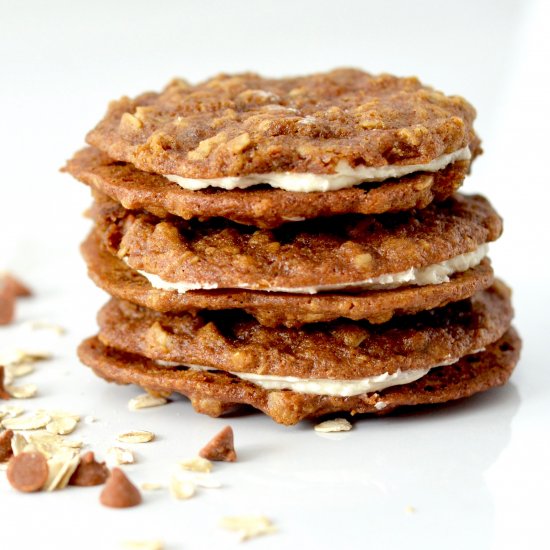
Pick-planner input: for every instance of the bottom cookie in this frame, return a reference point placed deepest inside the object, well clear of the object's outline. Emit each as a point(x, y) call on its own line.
point(216, 392)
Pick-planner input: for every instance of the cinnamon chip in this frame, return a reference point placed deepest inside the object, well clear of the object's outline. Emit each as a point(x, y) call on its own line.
point(119, 491)
point(7, 304)
point(3, 393)
point(15, 286)
point(220, 447)
point(89, 472)
point(6, 452)
point(27, 472)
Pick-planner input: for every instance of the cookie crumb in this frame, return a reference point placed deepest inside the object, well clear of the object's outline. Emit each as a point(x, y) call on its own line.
point(89, 472)
point(220, 447)
point(28, 472)
point(336, 425)
point(248, 526)
point(119, 491)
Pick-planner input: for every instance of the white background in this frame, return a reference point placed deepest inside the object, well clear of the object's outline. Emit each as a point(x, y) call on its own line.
point(476, 472)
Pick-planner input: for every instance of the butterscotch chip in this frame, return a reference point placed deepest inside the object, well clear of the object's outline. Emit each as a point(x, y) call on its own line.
point(7, 304)
point(89, 472)
point(119, 491)
point(6, 452)
point(220, 447)
point(3, 393)
point(16, 286)
point(233, 125)
point(28, 472)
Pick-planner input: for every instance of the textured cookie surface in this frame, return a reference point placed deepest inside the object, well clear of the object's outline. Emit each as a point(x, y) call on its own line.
point(277, 308)
point(343, 250)
point(234, 342)
point(216, 393)
point(246, 124)
point(261, 206)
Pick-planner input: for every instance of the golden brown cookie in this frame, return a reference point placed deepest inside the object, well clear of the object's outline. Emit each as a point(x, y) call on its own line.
point(337, 254)
point(344, 350)
point(278, 308)
point(261, 206)
point(234, 125)
point(216, 393)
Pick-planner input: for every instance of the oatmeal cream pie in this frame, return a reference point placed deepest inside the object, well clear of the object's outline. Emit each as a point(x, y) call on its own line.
point(343, 254)
point(262, 206)
point(281, 308)
point(291, 374)
point(343, 351)
point(320, 132)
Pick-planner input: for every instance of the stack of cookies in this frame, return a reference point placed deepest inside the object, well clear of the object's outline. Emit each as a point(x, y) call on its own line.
point(294, 244)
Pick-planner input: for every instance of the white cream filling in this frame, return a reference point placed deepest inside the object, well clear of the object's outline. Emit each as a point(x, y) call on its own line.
point(345, 176)
point(430, 275)
point(326, 386)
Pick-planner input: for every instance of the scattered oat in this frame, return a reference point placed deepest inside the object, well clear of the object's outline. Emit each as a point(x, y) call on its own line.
point(89, 472)
point(182, 489)
point(248, 526)
point(90, 419)
point(18, 443)
point(18, 371)
point(410, 509)
point(27, 472)
point(61, 426)
point(60, 414)
point(197, 464)
point(45, 325)
point(206, 481)
point(220, 447)
point(119, 491)
point(145, 401)
point(11, 410)
point(28, 422)
point(22, 392)
point(62, 466)
point(20, 357)
point(136, 437)
point(151, 486)
point(143, 545)
point(336, 425)
point(119, 456)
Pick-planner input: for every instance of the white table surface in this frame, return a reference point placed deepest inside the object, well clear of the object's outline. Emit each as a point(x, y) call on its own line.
point(476, 472)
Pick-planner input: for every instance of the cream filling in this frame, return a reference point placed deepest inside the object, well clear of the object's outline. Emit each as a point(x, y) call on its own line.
point(326, 386)
point(345, 176)
point(430, 275)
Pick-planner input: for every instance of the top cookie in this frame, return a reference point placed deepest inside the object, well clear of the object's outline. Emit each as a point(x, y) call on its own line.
point(346, 125)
